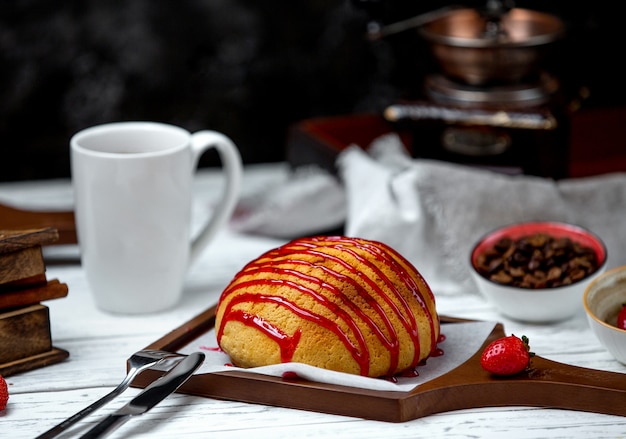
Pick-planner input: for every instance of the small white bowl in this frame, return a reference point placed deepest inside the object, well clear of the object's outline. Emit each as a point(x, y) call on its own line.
point(539, 305)
point(603, 299)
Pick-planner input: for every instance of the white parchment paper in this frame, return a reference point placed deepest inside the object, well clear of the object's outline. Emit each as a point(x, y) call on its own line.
point(462, 340)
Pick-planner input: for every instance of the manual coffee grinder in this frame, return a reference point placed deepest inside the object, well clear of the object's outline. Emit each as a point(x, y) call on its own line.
point(491, 103)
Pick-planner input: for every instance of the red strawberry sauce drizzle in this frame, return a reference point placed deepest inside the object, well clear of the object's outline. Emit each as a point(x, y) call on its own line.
point(356, 351)
point(289, 254)
point(287, 343)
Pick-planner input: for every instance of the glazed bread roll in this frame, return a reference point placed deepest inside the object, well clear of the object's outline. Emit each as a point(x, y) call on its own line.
point(344, 304)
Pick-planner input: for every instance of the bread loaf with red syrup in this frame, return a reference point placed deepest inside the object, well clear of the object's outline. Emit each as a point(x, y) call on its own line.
point(344, 304)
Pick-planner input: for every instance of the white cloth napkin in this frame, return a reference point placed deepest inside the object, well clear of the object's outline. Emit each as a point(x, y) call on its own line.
point(462, 340)
point(310, 200)
point(434, 212)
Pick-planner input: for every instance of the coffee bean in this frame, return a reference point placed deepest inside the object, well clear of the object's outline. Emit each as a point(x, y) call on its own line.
point(537, 261)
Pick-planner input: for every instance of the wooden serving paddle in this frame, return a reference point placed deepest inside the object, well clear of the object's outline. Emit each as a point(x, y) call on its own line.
point(546, 384)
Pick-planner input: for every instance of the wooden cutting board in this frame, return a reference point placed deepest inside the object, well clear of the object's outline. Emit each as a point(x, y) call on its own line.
point(546, 384)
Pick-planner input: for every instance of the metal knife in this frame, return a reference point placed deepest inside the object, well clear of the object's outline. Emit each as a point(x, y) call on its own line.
point(151, 396)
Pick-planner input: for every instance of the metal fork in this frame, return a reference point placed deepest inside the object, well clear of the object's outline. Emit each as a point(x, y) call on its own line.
point(138, 362)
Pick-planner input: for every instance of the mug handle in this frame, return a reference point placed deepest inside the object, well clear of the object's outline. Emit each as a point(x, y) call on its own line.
point(232, 165)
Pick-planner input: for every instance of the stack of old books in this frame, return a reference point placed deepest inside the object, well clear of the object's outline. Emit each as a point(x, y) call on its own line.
point(25, 337)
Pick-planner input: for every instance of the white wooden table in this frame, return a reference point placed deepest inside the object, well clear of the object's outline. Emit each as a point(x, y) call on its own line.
point(99, 344)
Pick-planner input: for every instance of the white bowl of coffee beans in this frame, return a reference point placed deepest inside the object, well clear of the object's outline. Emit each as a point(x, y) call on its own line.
point(537, 271)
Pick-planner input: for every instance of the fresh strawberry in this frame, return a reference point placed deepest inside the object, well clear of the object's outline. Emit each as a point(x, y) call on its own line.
point(4, 393)
point(507, 355)
point(621, 318)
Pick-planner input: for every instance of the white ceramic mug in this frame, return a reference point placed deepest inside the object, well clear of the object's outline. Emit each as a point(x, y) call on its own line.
point(132, 186)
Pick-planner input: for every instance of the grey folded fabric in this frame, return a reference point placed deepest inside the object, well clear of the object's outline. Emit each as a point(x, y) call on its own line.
point(434, 212)
point(308, 201)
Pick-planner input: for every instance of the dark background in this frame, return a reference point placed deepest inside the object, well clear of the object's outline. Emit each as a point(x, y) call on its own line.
point(248, 68)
